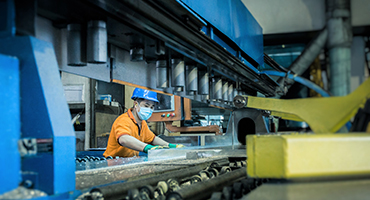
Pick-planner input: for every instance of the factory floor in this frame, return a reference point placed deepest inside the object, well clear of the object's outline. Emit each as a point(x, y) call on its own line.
point(323, 190)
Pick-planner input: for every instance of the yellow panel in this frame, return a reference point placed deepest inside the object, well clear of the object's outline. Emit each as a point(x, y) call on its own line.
point(250, 154)
point(286, 116)
point(324, 115)
point(303, 155)
point(269, 161)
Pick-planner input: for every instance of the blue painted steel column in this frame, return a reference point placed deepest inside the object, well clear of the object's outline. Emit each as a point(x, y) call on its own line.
point(44, 114)
point(10, 123)
point(10, 172)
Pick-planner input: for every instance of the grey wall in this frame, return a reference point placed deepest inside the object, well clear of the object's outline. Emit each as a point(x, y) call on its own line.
point(360, 12)
point(284, 16)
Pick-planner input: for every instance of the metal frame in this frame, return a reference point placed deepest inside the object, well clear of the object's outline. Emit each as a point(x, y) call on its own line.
point(178, 30)
point(10, 120)
point(50, 169)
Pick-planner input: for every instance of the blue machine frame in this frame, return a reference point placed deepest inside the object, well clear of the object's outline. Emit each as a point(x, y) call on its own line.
point(235, 21)
point(10, 120)
point(44, 113)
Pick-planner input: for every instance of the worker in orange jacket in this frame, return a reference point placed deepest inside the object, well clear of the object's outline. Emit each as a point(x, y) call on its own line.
point(130, 132)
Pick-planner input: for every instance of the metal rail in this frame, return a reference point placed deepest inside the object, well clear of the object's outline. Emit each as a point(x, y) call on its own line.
point(204, 189)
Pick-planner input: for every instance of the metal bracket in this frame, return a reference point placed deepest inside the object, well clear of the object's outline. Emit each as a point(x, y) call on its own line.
point(209, 129)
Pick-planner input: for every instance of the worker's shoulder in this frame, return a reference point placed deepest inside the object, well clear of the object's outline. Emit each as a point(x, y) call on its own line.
point(123, 117)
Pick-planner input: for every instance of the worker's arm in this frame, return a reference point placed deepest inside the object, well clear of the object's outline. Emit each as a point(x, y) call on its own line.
point(131, 142)
point(160, 142)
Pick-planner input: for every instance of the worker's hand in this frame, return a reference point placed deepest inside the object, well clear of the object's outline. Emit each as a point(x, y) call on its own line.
point(162, 147)
point(151, 147)
point(175, 145)
point(180, 146)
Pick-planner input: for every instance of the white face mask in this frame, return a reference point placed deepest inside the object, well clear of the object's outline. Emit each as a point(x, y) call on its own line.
point(145, 113)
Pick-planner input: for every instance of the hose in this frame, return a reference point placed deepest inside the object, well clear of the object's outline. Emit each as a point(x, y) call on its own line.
point(300, 80)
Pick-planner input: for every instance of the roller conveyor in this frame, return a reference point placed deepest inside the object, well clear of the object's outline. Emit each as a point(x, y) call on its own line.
point(157, 161)
point(186, 166)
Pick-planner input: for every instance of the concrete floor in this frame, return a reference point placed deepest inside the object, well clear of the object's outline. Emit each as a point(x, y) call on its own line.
point(338, 190)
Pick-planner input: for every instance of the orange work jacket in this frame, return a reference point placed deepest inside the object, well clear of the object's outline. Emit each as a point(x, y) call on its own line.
point(126, 124)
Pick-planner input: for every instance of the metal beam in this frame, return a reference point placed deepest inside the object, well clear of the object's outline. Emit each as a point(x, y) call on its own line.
point(131, 19)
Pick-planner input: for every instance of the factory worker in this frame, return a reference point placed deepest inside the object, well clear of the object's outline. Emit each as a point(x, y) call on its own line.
point(130, 132)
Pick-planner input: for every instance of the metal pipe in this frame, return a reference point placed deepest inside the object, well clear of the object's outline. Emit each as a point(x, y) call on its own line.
point(191, 79)
point(231, 93)
point(161, 73)
point(178, 74)
point(339, 45)
point(203, 190)
point(203, 83)
point(225, 93)
point(236, 89)
point(236, 92)
point(301, 64)
point(88, 113)
point(313, 49)
point(97, 42)
point(76, 54)
point(217, 88)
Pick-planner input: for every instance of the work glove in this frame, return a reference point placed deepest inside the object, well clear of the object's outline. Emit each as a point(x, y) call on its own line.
point(175, 145)
point(151, 147)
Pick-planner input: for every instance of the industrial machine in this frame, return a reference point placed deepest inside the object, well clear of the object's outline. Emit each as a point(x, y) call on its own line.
point(173, 47)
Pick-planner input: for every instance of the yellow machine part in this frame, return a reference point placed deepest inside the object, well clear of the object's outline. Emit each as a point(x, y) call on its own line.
point(324, 115)
point(308, 155)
